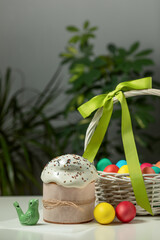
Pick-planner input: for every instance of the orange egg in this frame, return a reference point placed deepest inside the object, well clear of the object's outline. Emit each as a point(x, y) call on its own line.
point(148, 170)
point(158, 164)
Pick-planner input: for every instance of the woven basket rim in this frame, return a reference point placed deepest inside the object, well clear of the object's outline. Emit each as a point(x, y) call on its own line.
point(152, 178)
point(126, 174)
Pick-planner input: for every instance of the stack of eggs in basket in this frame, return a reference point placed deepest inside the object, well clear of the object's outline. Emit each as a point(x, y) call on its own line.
point(121, 167)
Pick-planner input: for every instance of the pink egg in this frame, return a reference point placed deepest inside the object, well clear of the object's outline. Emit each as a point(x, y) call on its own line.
point(143, 165)
point(148, 170)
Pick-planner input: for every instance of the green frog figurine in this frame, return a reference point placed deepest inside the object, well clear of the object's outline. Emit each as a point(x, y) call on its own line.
point(31, 217)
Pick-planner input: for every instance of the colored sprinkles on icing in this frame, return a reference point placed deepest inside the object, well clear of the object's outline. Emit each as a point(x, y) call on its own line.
point(70, 171)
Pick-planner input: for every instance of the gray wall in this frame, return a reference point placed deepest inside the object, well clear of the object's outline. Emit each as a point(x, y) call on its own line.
point(32, 32)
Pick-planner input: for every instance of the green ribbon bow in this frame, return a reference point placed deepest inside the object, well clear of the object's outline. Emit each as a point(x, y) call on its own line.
point(106, 101)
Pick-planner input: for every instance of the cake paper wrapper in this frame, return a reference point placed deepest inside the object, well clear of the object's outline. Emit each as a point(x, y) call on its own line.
point(80, 211)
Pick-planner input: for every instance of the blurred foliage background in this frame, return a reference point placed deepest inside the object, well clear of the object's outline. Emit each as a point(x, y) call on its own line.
point(29, 136)
point(92, 74)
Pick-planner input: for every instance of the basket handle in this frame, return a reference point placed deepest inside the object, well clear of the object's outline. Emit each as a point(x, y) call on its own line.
point(106, 101)
point(95, 120)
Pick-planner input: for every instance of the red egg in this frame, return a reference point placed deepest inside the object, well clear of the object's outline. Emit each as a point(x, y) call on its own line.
point(143, 165)
point(125, 211)
point(111, 168)
point(148, 170)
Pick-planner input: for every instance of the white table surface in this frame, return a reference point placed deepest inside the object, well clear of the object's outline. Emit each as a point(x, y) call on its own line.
point(143, 228)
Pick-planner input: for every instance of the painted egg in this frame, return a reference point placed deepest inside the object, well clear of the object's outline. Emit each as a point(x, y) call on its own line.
point(158, 164)
point(156, 169)
point(120, 163)
point(123, 169)
point(125, 211)
point(111, 168)
point(102, 163)
point(148, 170)
point(143, 165)
point(104, 213)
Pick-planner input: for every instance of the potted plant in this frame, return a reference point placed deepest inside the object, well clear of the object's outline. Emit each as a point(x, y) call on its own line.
point(92, 74)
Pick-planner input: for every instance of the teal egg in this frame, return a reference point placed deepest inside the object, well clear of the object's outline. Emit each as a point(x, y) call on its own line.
point(156, 169)
point(102, 163)
point(121, 163)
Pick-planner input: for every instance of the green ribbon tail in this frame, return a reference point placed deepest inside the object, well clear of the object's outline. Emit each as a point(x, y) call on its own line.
point(132, 156)
point(97, 138)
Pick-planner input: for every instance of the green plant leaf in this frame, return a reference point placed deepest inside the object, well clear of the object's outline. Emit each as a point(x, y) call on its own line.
point(80, 81)
point(7, 159)
point(143, 119)
point(134, 47)
point(144, 53)
point(92, 76)
point(144, 62)
point(72, 29)
point(122, 52)
point(141, 141)
point(74, 39)
point(30, 177)
point(98, 62)
point(86, 24)
point(87, 78)
point(112, 48)
point(77, 68)
point(86, 37)
point(127, 67)
point(92, 29)
point(80, 99)
point(4, 182)
point(72, 50)
point(74, 78)
point(85, 61)
point(66, 55)
point(87, 50)
point(43, 147)
point(6, 90)
point(138, 64)
point(0, 87)
point(137, 67)
point(26, 154)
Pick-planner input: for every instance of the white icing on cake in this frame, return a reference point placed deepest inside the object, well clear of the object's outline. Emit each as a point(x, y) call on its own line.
point(69, 170)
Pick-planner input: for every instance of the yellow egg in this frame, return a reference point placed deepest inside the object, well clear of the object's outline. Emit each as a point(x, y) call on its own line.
point(104, 213)
point(123, 169)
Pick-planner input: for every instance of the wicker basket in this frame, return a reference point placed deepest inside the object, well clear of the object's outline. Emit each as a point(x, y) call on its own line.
point(113, 187)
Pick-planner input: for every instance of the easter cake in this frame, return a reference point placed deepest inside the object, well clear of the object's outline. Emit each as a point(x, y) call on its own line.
point(68, 190)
